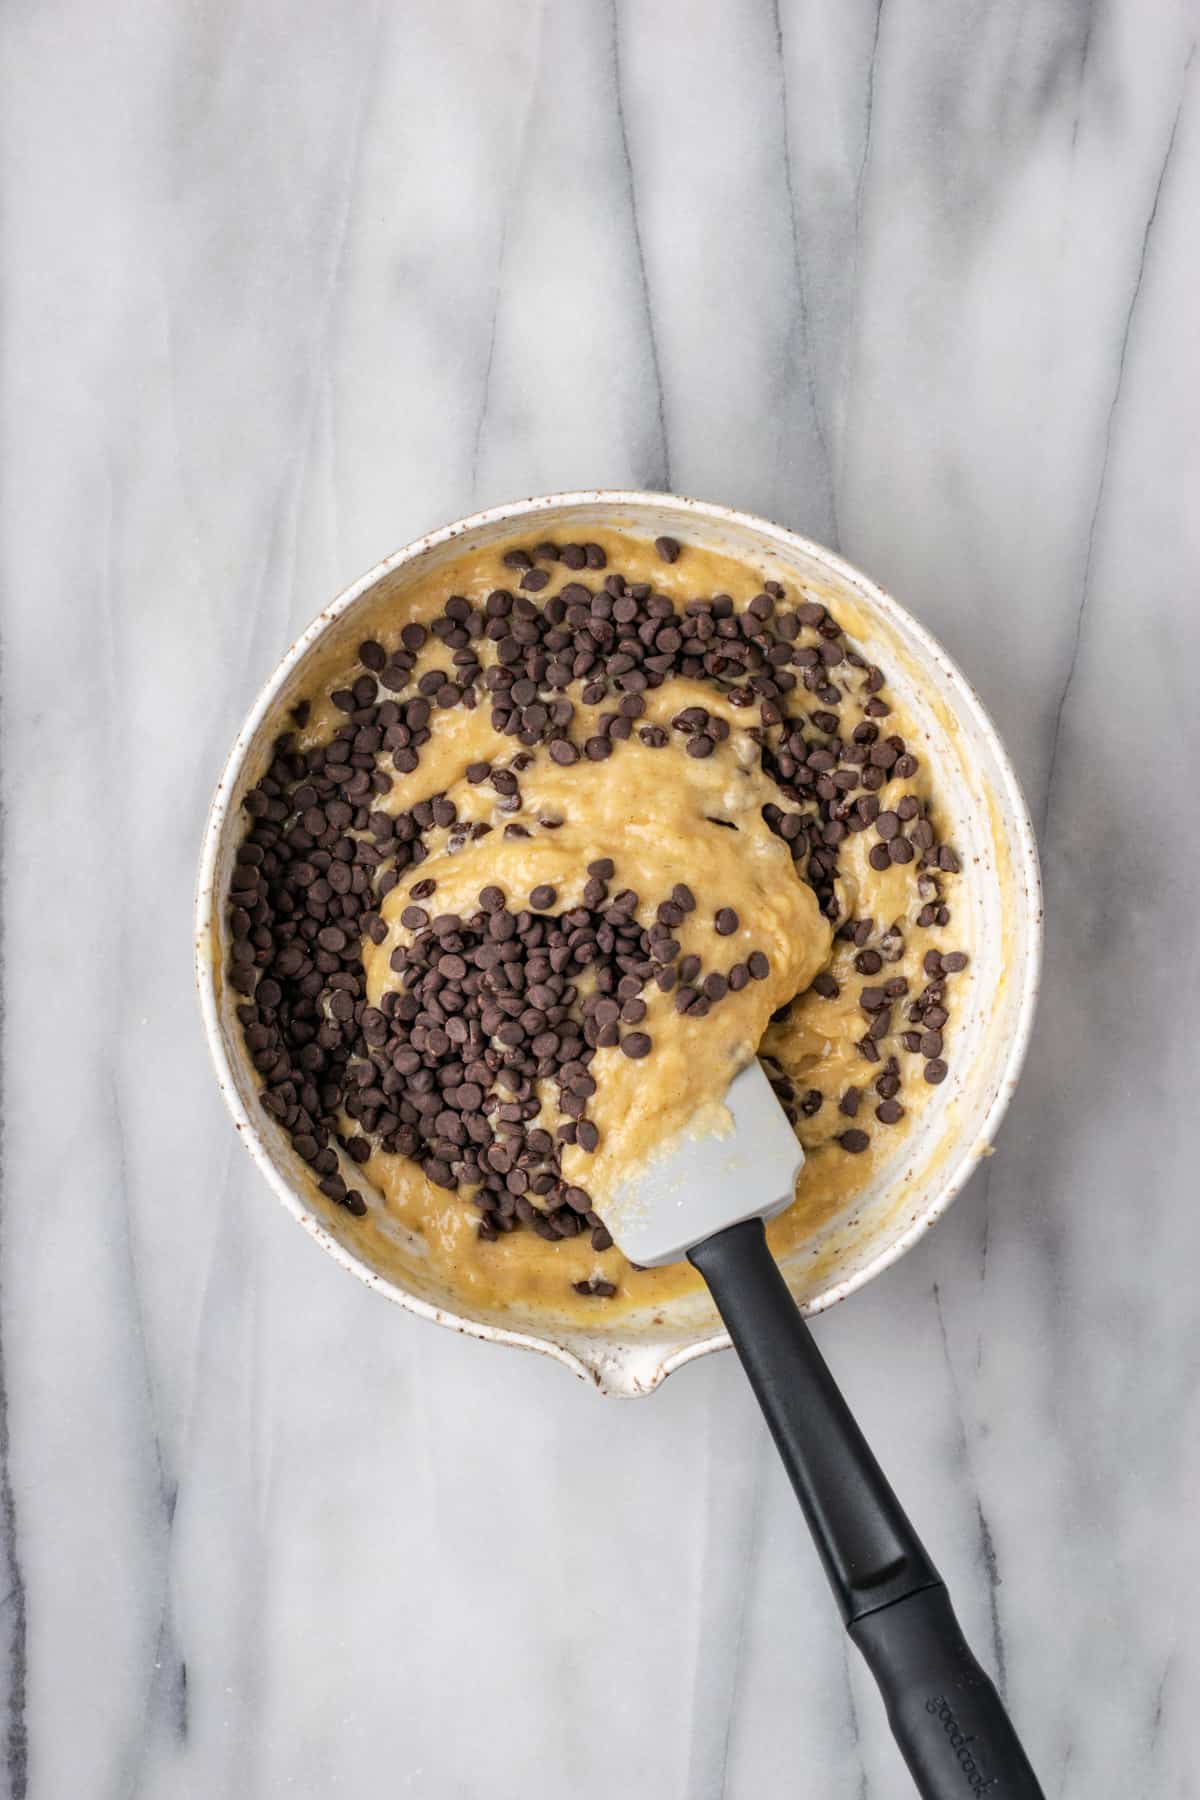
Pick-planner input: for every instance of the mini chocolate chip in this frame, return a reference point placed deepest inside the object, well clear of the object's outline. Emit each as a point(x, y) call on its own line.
point(758, 965)
point(667, 548)
point(935, 1071)
point(854, 1141)
point(636, 1044)
point(726, 922)
point(543, 897)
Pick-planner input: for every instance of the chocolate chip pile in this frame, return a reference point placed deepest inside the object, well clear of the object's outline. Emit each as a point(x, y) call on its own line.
point(453, 1068)
point(489, 1008)
point(926, 1012)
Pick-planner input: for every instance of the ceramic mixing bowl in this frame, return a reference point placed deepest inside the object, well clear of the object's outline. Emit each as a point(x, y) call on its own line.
point(997, 919)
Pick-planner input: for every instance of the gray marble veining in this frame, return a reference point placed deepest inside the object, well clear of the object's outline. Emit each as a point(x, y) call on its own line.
point(282, 287)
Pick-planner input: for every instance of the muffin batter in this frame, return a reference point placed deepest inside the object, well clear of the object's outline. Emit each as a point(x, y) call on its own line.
point(796, 904)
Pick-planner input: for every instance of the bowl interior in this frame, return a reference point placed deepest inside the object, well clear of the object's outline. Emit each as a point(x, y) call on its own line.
point(1001, 930)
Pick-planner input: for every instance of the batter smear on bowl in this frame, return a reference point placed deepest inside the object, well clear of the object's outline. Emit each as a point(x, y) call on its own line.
point(585, 826)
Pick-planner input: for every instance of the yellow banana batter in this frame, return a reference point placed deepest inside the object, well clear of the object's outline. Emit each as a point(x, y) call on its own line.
point(665, 816)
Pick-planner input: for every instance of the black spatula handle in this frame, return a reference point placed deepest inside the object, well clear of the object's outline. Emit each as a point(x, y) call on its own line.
point(946, 1715)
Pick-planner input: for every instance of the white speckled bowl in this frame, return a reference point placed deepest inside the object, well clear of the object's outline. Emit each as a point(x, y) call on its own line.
point(991, 828)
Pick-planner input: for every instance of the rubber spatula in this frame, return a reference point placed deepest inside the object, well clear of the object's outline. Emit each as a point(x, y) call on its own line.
point(707, 1198)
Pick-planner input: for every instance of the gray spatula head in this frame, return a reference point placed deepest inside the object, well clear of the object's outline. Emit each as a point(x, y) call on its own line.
point(706, 1181)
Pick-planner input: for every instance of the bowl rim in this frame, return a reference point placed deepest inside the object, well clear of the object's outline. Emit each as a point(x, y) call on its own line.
point(645, 1366)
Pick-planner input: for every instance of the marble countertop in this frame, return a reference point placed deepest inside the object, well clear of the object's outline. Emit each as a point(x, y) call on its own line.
point(283, 287)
